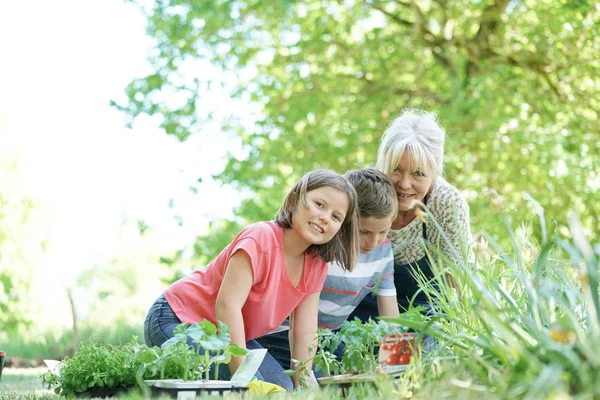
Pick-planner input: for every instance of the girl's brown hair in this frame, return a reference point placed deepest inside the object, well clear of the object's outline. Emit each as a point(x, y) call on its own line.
point(343, 248)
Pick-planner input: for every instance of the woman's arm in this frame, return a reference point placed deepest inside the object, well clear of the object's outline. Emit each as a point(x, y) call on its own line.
point(232, 297)
point(303, 338)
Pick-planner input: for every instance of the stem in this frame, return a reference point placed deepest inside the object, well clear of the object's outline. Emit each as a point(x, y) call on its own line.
point(217, 371)
point(207, 366)
point(185, 367)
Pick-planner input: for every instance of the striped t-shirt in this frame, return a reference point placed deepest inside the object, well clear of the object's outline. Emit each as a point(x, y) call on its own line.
point(343, 290)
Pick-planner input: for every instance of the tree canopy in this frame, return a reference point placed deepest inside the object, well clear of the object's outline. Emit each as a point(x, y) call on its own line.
point(515, 83)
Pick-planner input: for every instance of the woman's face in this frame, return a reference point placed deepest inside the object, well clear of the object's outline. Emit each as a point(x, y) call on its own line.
point(411, 182)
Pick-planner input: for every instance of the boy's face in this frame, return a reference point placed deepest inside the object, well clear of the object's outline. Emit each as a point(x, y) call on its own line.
point(373, 232)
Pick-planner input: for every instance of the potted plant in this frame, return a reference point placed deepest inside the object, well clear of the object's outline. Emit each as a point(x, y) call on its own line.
point(397, 348)
point(178, 366)
point(370, 348)
point(95, 370)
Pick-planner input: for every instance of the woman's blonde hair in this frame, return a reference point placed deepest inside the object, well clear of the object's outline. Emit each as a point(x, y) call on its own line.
point(343, 247)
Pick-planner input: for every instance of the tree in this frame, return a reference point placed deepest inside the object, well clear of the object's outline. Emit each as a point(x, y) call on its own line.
point(20, 245)
point(515, 83)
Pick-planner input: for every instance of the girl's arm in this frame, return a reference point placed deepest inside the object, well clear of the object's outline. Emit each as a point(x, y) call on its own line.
point(232, 297)
point(303, 336)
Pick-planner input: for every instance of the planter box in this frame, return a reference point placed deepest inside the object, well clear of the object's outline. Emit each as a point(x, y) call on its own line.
point(344, 382)
point(181, 389)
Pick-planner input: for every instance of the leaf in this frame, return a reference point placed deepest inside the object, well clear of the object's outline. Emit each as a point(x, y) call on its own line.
point(175, 340)
point(236, 350)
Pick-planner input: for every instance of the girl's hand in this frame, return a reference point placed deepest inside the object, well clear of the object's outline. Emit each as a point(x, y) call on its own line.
point(303, 339)
point(311, 380)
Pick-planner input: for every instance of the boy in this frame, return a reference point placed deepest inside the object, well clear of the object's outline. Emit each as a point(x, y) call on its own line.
point(344, 290)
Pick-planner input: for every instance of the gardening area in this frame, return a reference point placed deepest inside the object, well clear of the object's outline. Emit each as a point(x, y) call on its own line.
point(232, 103)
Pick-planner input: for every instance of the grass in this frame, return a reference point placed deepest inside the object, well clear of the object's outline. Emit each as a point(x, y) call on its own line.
point(24, 383)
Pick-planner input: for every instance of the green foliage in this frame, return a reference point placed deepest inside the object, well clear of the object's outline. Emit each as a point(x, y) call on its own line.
point(525, 322)
point(36, 345)
point(515, 83)
point(361, 342)
point(95, 366)
point(98, 365)
point(11, 291)
point(177, 359)
point(21, 242)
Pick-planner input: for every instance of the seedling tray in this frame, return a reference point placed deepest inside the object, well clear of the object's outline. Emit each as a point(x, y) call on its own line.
point(190, 389)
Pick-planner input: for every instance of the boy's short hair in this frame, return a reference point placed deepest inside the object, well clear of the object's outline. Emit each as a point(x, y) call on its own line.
point(376, 195)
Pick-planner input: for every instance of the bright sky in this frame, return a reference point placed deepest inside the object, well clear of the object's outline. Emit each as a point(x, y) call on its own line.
point(62, 62)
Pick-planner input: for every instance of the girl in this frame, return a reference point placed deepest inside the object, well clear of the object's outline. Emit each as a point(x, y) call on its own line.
point(270, 271)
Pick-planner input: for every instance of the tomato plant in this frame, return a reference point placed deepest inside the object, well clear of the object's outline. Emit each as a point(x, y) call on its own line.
point(177, 353)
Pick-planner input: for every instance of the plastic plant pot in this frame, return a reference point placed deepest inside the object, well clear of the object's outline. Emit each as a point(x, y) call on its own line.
point(190, 389)
point(397, 349)
point(2, 357)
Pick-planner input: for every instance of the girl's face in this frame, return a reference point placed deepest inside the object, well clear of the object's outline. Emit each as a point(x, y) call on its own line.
point(411, 182)
point(323, 217)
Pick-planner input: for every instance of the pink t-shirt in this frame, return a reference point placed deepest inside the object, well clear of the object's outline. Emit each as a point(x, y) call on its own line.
point(272, 297)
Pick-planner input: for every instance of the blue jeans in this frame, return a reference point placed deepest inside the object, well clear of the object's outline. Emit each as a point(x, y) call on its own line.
point(161, 321)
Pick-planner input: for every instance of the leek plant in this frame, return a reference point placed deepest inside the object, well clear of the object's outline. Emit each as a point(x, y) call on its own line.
point(517, 323)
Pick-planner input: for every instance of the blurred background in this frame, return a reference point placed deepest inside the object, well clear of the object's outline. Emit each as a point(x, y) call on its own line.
point(138, 137)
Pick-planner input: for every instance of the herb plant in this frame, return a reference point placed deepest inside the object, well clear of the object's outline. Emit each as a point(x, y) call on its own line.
point(95, 366)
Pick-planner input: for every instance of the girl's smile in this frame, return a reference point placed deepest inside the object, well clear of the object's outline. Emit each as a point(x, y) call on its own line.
point(322, 216)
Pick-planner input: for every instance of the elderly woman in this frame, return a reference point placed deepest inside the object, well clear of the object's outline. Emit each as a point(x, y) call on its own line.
point(411, 153)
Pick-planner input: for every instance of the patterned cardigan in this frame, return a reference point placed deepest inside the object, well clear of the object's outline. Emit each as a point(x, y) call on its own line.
point(451, 211)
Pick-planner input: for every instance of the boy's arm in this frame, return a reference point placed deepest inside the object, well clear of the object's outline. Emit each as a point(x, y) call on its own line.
point(387, 301)
point(232, 297)
point(303, 338)
point(388, 306)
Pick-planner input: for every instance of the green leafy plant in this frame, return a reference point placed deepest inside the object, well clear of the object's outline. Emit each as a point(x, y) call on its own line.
point(176, 358)
point(526, 322)
point(95, 366)
point(361, 343)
